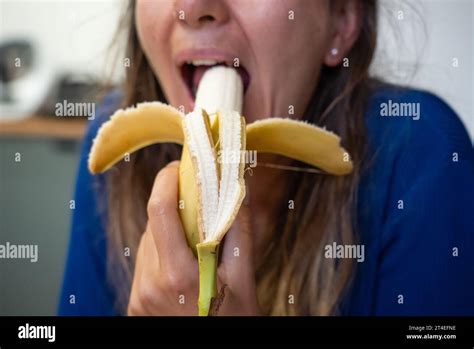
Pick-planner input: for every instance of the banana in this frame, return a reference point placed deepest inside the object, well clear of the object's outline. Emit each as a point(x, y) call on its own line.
point(300, 141)
point(132, 129)
point(211, 175)
point(220, 88)
point(220, 184)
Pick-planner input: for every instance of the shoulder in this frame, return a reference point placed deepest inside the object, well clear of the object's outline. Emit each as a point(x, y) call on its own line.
point(414, 133)
point(105, 108)
point(414, 208)
point(416, 144)
point(85, 273)
point(403, 116)
point(90, 188)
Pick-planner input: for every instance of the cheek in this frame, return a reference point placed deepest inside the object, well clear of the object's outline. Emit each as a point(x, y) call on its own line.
point(288, 40)
point(144, 21)
point(153, 20)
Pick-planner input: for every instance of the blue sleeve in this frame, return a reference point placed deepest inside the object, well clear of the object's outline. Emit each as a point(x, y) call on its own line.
point(85, 290)
point(426, 248)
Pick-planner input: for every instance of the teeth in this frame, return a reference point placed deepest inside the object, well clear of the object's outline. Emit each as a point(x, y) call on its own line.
point(206, 62)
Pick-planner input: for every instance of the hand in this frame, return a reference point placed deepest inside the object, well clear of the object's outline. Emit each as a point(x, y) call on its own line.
point(166, 280)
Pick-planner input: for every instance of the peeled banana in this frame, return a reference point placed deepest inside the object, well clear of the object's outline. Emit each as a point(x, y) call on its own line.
point(211, 191)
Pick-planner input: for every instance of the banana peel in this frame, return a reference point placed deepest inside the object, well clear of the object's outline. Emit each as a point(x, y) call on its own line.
point(211, 192)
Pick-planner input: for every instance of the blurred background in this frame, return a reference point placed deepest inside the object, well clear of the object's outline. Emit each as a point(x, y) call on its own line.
point(56, 51)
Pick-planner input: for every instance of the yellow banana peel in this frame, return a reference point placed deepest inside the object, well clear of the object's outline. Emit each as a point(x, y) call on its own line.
point(211, 191)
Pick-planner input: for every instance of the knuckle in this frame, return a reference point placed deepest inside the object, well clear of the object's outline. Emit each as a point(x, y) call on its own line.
point(175, 282)
point(157, 207)
point(147, 294)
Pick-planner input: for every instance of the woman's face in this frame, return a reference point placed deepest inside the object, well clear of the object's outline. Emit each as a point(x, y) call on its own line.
point(281, 45)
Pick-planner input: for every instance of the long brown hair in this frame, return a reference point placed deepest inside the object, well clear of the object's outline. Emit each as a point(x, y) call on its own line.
point(293, 277)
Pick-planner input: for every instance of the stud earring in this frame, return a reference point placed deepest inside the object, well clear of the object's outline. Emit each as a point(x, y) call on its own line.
point(334, 51)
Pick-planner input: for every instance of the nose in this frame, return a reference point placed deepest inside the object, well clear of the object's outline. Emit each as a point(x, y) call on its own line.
point(199, 13)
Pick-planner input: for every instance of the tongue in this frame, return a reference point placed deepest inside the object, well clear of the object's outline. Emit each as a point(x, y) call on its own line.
point(198, 74)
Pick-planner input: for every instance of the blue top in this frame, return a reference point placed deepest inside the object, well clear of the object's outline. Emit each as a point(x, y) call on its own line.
point(414, 215)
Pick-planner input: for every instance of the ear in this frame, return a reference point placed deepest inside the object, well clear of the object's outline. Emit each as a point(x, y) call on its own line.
point(346, 24)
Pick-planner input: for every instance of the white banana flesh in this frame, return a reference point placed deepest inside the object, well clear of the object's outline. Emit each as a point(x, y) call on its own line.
point(220, 88)
point(221, 185)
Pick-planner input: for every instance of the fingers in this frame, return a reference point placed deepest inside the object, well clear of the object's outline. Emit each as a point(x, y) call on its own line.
point(164, 220)
point(166, 273)
point(135, 306)
point(159, 291)
point(237, 252)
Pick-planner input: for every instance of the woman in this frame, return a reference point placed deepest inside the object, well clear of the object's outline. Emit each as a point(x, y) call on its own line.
point(404, 209)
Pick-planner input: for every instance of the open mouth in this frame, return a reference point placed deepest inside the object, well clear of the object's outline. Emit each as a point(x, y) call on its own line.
point(193, 71)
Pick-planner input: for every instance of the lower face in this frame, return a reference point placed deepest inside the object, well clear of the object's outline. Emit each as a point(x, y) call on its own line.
point(279, 46)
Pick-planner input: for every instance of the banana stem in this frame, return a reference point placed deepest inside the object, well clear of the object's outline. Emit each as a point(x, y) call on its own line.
point(207, 260)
